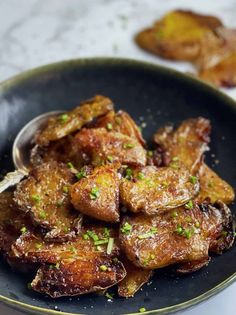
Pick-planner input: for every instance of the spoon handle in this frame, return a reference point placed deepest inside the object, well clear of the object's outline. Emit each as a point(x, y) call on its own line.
point(12, 179)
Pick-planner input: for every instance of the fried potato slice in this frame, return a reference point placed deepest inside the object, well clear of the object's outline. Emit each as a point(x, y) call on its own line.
point(136, 277)
point(11, 221)
point(154, 190)
point(45, 194)
point(76, 267)
point(184, 235)
point(213, 187)
point(177, 35)
point(194, 265)
point(222, 74)
point(61, 150)
point(101, 145)
point(120, 122)
point(97, 195)
point(186, 144)
point(65, 124)
point(217, 59)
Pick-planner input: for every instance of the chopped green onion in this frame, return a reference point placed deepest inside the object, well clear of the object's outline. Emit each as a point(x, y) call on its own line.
point(128, 173)
point(38, 245)
point(103, 268)
point(70, 165)
point(109, 295)
point(140, 175)
point(65, 189)
point(126, 228)
point(175, 158)
point(109, 126)
point(110, 245)
point(193, 179)
point(174, 214)
point(23, 229)
point(94, 193)
point(189, 205)
point(101, 242)
point(106, 232)
point(81, 174)
point(142, 310)
point(109, 158)
point(128, 146)
point(36, 198)
point(42, 214)
point(63, 118)
point(148, 234)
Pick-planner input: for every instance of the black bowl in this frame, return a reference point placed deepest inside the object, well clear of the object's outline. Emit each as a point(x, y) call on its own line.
point(149, 93)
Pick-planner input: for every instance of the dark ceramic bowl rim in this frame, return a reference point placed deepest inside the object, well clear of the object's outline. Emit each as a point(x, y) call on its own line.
point(7, 84)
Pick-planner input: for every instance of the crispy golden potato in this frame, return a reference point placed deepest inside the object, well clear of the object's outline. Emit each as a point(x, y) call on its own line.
point(217, 59)
point(154, 190)
point(213, 187)
point(100, 145)
point(222, 74)
point(136, 277)
point(45, 194)
point(76, 267)
point(186, 144)
point(65, 124)
point(186, 234)
point(97, 195)
point(177, 35)
point(120, 122)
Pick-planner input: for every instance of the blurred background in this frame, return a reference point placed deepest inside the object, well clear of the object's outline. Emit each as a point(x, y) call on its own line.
point(37, 32)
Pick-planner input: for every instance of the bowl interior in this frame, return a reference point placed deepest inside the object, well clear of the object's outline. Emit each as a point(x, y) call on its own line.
point(152, 95)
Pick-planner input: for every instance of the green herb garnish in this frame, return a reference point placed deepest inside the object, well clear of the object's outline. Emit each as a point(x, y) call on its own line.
point(189, 205)
point(193, 179)
point(126, 228)
point(128, 173)
point(109, 126)
point(81, 174)
point(36, 198)
point(64, 118)
point(94, 193)
point(128, 146)
point(103, 268)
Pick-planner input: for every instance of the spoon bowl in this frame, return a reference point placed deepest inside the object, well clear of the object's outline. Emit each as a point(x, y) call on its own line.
point(21, 148)
point(25, 140)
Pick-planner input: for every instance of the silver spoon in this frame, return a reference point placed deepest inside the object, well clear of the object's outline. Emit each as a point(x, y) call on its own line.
point(21, 149)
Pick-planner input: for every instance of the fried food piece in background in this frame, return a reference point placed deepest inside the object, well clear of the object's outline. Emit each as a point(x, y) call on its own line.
point(223, 74)
point(136, 277)
point(69, 122)
point(177, 35)
point(217, 59)
point(186, 234)
point(97, 195)
point(186, 144)
point(75, 267)
point(153, 190)
point(120, 122)
point(101, 145)
point(213, 188)
point(45, 195)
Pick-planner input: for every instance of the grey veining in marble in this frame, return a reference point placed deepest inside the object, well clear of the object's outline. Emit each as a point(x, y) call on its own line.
point(37, 32)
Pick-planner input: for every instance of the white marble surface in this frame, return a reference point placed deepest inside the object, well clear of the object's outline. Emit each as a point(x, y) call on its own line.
point(36, 32)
